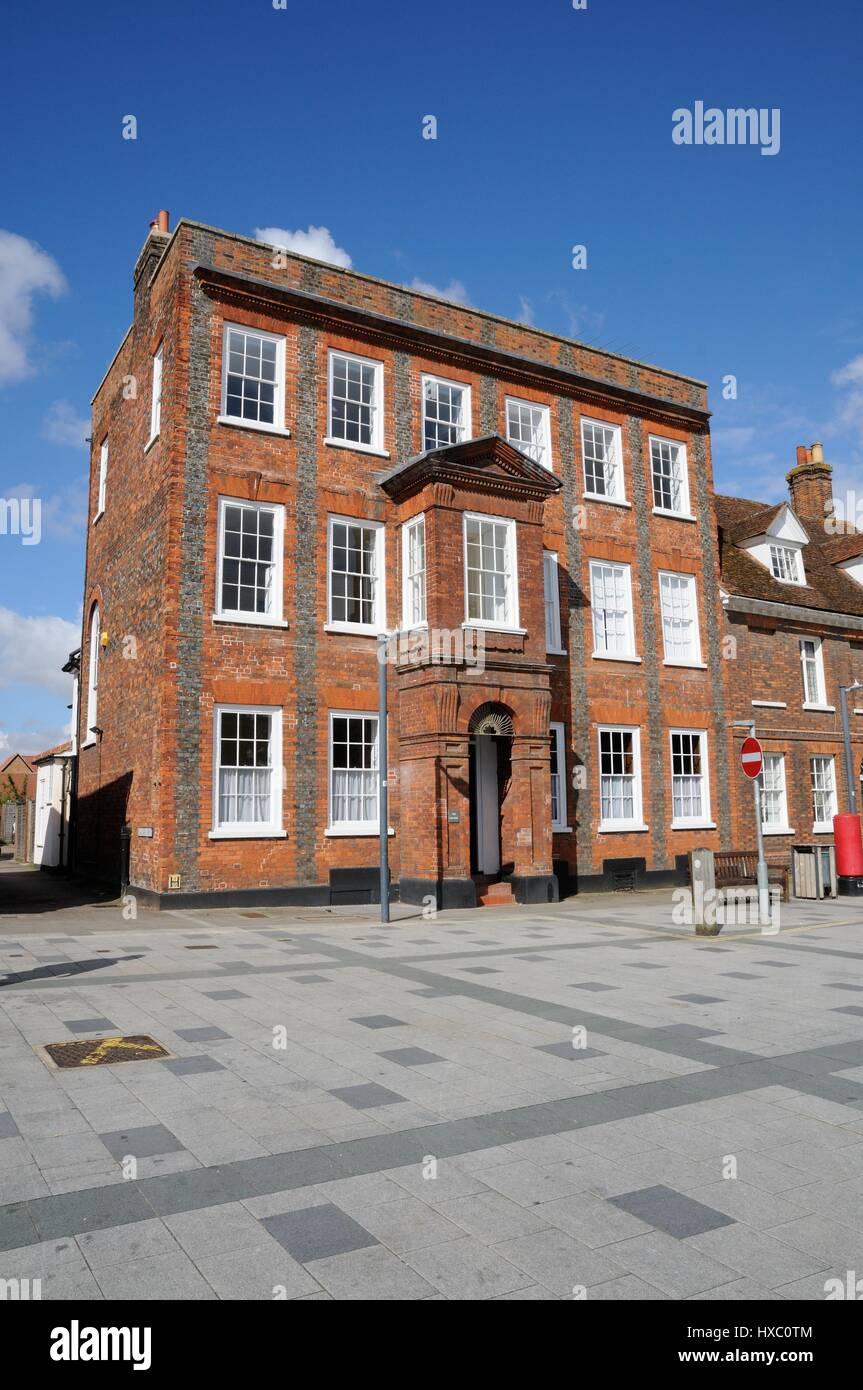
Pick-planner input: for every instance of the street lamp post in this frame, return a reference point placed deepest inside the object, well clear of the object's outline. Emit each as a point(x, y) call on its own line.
point(383, 773)
point(844, 692)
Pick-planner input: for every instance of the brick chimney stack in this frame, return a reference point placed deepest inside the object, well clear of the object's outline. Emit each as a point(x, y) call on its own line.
point(811, 482)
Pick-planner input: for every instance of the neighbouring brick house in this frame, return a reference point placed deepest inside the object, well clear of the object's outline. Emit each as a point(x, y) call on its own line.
point(792, 592)
point(289, 457)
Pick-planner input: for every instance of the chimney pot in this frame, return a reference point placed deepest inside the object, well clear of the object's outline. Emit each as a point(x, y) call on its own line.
point(811, 482)
point(816, 453)
point(163, 221)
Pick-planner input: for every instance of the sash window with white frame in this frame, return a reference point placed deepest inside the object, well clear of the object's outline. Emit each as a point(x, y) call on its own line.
point(619, 778)
point(785, 564)
point(353, 773)
point(603, 470)
point(446, 412)
point(253, 377)
point(774, 805)
point(156, 399)
point(668, 471)
point(490, 571)
point(823, 792)
point(356, 401)
point(611, 608)
point(551, 586)
point(528, 428)
point(356, 566)
point(102, 487)
point(679, 606)
point(250, 560)
point(812, 663)
point(689, 790)
point(558, 777)
point(414, 570)
point(93, 673)
point(248, 758)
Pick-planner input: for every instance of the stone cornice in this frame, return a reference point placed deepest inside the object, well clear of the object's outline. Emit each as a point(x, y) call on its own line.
point(396, 334)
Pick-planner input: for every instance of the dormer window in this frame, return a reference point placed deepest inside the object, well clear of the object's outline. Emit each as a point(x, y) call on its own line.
point(785, 564)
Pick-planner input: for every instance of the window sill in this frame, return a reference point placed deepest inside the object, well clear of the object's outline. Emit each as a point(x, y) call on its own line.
point(561, 830)
point(820, 709)
point(778, 830)
point(255, 833)
point(356, 447)
point(608, 656)
point(354, 629)
point(674, 516)
point(609, 501)
point(693, 825)
point(239, 424)
point(475, 623)
point(822, 830)
point(89, 743)
point(245, 621)
point(769, 704)
point(150, 442)
point(407, 628)
point(555, 651)
point(342, 831)
point(619, 829)
point(688, 665)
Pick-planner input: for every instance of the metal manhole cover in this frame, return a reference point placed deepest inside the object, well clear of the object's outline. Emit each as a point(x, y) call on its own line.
point(99, 1052)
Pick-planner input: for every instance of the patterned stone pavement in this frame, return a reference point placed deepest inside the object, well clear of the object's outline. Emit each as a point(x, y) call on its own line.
point(358, 1112)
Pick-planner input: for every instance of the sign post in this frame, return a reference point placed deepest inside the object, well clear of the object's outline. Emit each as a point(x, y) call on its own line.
point(752, 763)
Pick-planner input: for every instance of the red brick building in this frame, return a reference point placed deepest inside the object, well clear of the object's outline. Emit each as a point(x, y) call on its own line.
point(289, 458)
point(792, 593)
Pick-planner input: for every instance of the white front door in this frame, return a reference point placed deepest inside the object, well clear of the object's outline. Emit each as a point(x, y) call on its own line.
point(487, 806)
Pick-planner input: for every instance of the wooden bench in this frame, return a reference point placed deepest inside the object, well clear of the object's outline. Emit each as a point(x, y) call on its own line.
point(739, 869)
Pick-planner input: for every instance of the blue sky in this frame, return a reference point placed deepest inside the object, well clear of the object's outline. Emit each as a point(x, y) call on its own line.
point(554, 129)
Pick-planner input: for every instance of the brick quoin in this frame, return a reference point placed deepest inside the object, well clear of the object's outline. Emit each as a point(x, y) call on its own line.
point(152, 560)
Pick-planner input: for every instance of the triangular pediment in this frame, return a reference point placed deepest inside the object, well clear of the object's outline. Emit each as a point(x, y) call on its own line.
point(491, 457)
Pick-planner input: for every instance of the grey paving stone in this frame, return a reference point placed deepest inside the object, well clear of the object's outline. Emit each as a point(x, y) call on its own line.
point(315, 1233)
point(160, 1277)
point(698, 998)
point(366, 1097)
point(628, 1288)
point(191, 1066)
point(595, 986)
point(142, 1142)
point(478, 970)
point(225, 994)
point(491, 1217)
point(257, 1272)
point(311, 979)
point(592, 1220)
point(674, 1266)
point(467, 1270)
point(669, 1211)
point(17, 1227)
point(93, 1208)
point(740, 975)
point(568, 1052)
point(757, 1255)
point(690, 1030)
point(559, 1261)
point(8, 1127)
point(206, 1034)
point(88, 1025)
point(372, 1273)
point(379, 1021)
point(411, 1056)
point(849, 1009)
point(430, 992)
point(405, 1224)
point(532, 957)
point(119, 1244)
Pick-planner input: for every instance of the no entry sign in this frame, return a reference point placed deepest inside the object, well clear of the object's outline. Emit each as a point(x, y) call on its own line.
point(751, 757)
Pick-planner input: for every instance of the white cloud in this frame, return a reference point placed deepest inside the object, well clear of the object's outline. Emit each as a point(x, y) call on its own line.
point(25, 271)
point(32, 650)
point(64, 513)
point(525, 310)
point(317, 242)
point(455, 290)
point(31, 740)
point(63, 425)
point(849, 416)
point(849, 375)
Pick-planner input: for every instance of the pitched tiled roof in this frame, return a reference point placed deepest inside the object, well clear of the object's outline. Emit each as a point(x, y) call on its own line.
point(827, 588)
point(52, 752)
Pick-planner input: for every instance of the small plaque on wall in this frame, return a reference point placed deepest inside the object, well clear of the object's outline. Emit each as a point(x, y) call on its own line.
point(145, 832)
point(453, 817)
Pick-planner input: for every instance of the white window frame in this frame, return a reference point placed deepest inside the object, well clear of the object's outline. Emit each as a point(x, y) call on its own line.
point(780, 554)
point(377, 441)
point(781, 826)
point(93, 661)
point(466, 427)
point(409, 577)
point(683, 511)
point(251, 830)
point(558, 749)
point(617, 498)
point(818, 658)
point(335, 827)
point(278, 425)
point(102, 484)
point(551, 602)
point(704, 821)
point(823, 827)
point(694, 658)
point(379, 619)
point(156, 397)
point(512, 620)
point(637, 821)
point(545, 429)
point(598, 653)
point(229, 615)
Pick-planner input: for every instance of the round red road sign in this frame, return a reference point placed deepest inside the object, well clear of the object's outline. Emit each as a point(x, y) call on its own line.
point(751, 757)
